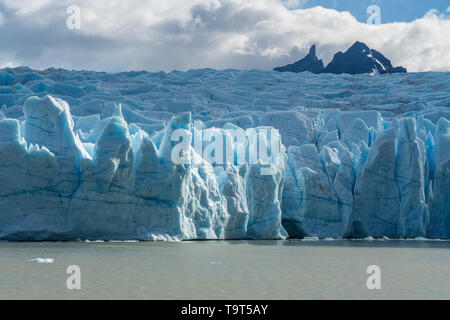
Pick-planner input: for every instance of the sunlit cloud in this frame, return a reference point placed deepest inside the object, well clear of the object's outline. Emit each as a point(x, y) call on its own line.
point(182, 34)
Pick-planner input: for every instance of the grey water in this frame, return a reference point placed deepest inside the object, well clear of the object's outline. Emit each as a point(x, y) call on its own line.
point(227, 270)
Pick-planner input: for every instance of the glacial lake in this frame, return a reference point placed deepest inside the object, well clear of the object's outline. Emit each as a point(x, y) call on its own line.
point(227, 270)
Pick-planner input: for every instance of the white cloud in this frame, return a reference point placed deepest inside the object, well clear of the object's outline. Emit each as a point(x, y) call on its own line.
point(448, 9)
point(182, 34)
point(26, 7)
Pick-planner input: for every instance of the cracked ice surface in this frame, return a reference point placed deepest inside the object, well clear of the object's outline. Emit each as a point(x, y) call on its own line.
point(361, 155)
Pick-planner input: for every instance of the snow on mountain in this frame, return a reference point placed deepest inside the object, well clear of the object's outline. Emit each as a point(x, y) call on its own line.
point(89, 155)
point(358, 59)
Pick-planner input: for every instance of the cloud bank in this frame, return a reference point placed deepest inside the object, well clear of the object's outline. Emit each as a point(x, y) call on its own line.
point(184, 34)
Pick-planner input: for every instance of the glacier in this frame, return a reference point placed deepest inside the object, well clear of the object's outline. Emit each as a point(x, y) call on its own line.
point(89, 155)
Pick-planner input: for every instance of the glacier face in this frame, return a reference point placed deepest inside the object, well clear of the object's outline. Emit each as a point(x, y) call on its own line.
point(86, 155)
point(127, 185)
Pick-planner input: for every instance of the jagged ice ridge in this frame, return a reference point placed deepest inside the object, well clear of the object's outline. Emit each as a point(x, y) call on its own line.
point(106, 172)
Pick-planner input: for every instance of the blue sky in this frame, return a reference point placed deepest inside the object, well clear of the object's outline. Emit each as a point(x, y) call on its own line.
point(391, 10)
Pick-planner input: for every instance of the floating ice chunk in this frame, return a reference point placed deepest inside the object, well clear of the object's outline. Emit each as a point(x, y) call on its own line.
point(310, 239)
point(41, 260)
point(421, 239)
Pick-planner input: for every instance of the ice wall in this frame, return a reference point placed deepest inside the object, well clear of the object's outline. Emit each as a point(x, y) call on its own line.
point(362, 155)
point(389, 179)
point(126, 186)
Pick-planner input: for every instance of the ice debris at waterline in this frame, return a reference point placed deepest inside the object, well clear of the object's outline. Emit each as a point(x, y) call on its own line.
point(41, 260)
point(107, 173)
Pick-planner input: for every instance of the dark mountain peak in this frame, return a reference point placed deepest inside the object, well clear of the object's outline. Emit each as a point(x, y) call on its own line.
point(358, 46)
point(309, 63)
point(358, 59)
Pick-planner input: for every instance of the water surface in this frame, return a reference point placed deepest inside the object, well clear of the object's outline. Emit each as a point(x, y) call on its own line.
point(227, 270)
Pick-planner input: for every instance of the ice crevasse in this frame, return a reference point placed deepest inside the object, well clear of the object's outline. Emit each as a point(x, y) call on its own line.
point(342, 174)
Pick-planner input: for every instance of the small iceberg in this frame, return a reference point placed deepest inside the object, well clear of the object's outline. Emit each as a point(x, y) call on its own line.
point(311, 239)
point(41, 260)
